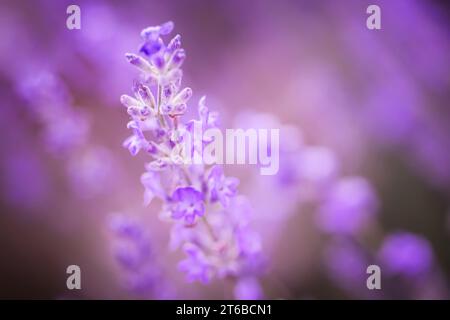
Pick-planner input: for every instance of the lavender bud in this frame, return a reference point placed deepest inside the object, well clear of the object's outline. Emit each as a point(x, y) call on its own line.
point(152, 47)
point(158, 61)
point(133, 111)
point(174, 44)
point(150, 33)
point(128, 101)
point(160, 133)
point(166, 28)
point(139, 62)
point(152, 149)
point(203, 110)
point(176, 159)
point(132, 125)
point(146, 95)
point(167, 92)
point(156, 165)
point(180, 109)
point(174, 77)
point(166, 109)
point(145, 111)
point(178, 58)
point(213, 119)
point(183, 96)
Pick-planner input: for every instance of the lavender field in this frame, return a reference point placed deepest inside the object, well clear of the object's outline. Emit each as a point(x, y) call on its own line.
point(224, 150)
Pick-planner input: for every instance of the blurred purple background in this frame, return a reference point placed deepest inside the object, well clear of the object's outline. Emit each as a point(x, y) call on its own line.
point(365, 152)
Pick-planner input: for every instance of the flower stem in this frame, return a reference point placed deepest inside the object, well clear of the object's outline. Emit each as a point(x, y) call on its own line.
point(160, 116)
point(209, 228)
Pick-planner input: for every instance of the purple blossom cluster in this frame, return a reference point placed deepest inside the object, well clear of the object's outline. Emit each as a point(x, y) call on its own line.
point(210, 221)
point(310, 175)
point(345, 211)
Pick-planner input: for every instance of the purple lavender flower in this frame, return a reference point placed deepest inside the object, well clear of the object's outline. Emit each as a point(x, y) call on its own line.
point(142, 105)
point(221, 187)
point(132, 254)
point(222, 243)
point(196, 265)
point(151, 35)
point(187, 203)
point(207, 120)
point(136, 142)
point(153, 187)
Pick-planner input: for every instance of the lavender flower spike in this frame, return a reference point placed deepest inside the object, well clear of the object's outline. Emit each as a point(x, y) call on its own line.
point(211, 223)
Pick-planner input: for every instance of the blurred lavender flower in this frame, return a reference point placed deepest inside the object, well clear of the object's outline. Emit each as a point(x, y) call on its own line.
point(248, 289)
point(409, 264)
point(24, 180)
point(49, 101)
point(406, 260)
point(66, 133)
point(309, 177)
point(209, 221)
point(349, 206)
point(406, 254)
point(221, 187)
point(133, 250)
point(407, 109)
point(346, 265)
point(288, 181)
point(89, 171)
